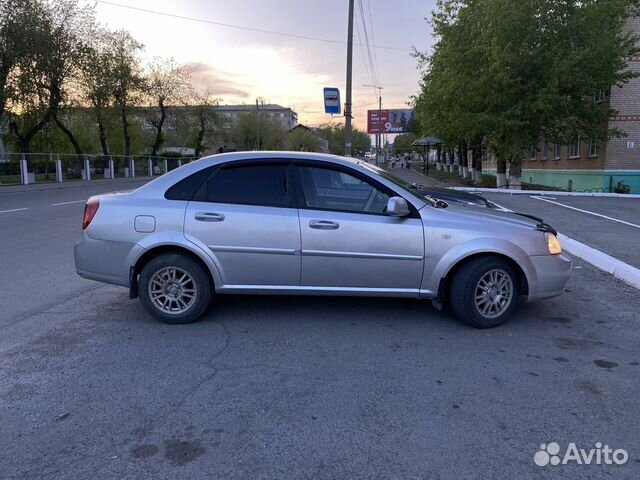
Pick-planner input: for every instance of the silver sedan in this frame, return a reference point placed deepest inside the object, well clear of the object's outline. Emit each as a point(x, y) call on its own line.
point(312, 224)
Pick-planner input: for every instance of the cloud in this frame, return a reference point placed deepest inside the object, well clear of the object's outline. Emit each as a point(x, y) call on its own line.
point(205, 77)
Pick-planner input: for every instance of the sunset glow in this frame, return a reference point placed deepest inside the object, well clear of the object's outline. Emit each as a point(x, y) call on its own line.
point(241, 65)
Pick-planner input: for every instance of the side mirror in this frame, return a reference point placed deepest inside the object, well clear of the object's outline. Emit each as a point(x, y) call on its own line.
point(397, 207)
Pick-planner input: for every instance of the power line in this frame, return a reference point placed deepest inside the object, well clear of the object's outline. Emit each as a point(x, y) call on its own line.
point(241, 27)
point(364, 60)
point(373, 38)
point(374, 69)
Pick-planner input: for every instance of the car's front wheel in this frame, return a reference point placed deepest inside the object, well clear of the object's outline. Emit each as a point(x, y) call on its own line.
point(484, 292)
point(174, 288)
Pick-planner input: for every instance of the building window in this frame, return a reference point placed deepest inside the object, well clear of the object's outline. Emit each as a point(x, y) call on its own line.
point(545, 151)
point(593, 148)
point(598, 96)
point(557, 150)
point(574, 149)
point(533, 152)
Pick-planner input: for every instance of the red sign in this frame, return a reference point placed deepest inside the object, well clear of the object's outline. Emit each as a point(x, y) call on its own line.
point(377, 121)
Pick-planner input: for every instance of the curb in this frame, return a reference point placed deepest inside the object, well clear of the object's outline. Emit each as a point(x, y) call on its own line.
point(622, 271)
point(546, 192)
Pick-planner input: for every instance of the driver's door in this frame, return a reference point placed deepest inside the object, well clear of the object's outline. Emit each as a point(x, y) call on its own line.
point(347, 239)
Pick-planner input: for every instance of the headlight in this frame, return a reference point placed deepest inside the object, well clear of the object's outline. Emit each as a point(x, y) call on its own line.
point(553, 244)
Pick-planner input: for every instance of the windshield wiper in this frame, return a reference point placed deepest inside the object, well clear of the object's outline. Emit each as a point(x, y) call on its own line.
point(436, 201)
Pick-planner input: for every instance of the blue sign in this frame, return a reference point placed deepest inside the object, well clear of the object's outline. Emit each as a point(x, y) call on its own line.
point(331, 100)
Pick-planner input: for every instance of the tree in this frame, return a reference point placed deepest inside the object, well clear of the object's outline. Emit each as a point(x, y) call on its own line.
point(403, 143)
point(18, 26)
point(302, 139)
point(98, 82)
point(167, 84)
point(506, 73)
point(200, 119)
point(127, 77)
point(334, 134)
point(48, 70)
point(268, 134)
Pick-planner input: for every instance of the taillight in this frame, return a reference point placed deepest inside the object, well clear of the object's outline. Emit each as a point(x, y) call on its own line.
point(90, 210)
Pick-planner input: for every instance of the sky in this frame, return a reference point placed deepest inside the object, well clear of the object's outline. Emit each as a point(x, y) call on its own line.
point(239, 65)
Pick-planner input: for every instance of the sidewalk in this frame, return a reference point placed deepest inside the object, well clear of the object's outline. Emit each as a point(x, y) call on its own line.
point(411, 176)
point(36, 187)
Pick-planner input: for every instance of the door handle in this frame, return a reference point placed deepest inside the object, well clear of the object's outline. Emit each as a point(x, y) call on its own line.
point(209, 217)
point(324, 225)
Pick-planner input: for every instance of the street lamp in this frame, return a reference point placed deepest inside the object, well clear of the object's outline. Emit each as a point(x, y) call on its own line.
point(379, 134)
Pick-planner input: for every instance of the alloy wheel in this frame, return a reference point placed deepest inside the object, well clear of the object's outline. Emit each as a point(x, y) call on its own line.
point(172, 290)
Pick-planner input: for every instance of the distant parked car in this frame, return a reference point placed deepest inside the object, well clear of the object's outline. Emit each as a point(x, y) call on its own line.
point(313, 224)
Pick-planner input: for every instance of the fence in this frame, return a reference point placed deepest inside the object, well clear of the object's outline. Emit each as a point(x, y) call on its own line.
point(17, 169)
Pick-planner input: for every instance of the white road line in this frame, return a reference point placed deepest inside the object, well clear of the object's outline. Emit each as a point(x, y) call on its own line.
point(623, 271)
point(67, 203)
point(586, 211)
point(13, 210)
point(504, 209)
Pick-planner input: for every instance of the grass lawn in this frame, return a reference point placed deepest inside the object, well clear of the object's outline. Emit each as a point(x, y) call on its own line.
point(487, 181)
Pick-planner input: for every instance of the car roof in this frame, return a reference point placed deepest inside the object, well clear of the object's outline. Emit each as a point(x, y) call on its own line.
point(158, 186)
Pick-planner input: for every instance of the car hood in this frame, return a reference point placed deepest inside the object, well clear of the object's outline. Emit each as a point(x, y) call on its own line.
point(435, 191)
point(476, 214)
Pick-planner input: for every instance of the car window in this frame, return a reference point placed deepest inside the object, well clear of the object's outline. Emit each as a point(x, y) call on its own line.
point(249, 185)
point(186, 188)
point(329, 189)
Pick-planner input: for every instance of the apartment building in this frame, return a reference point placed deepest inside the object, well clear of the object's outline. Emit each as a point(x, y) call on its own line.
point(283, 115)
point(587, 165)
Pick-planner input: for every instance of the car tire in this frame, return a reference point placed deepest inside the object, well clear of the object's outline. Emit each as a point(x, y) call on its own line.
point(175, 288)
point(484, 292)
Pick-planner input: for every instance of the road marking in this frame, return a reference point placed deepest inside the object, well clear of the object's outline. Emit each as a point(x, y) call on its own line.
point(13, 210)
point(504, 209)
point(623, 271)
point(586, 211)
point(67, 203)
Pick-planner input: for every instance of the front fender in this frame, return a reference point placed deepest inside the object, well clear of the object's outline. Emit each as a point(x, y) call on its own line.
point(437, 268)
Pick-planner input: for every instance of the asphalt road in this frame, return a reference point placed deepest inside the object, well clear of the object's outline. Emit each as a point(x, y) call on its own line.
point(37, 231)
point(304, 388)
point(617, 235)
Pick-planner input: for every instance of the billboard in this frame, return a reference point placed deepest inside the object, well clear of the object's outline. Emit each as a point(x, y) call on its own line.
point(390, 121)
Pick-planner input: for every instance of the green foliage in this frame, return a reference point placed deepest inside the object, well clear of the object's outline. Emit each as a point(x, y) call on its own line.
point(303, 140)
point(41, 78)
point(334, 134)
point(18, 27)
point(508, 72)
point(402, 143)
point(268, 135)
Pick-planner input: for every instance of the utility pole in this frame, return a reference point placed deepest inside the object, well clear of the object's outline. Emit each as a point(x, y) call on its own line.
point(379, 127)
point(257, 126)
point(347, 105)
point(379, 132)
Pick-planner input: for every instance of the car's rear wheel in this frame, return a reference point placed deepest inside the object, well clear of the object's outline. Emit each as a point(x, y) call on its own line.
point(174, 288)
point(484, 292)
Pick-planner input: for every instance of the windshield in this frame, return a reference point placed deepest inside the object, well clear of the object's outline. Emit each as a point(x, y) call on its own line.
point(406, 186)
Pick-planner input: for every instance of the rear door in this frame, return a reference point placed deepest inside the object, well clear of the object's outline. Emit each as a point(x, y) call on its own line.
point(245, 215)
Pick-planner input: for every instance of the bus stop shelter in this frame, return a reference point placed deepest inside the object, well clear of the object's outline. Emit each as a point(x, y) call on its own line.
point(427, 143)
